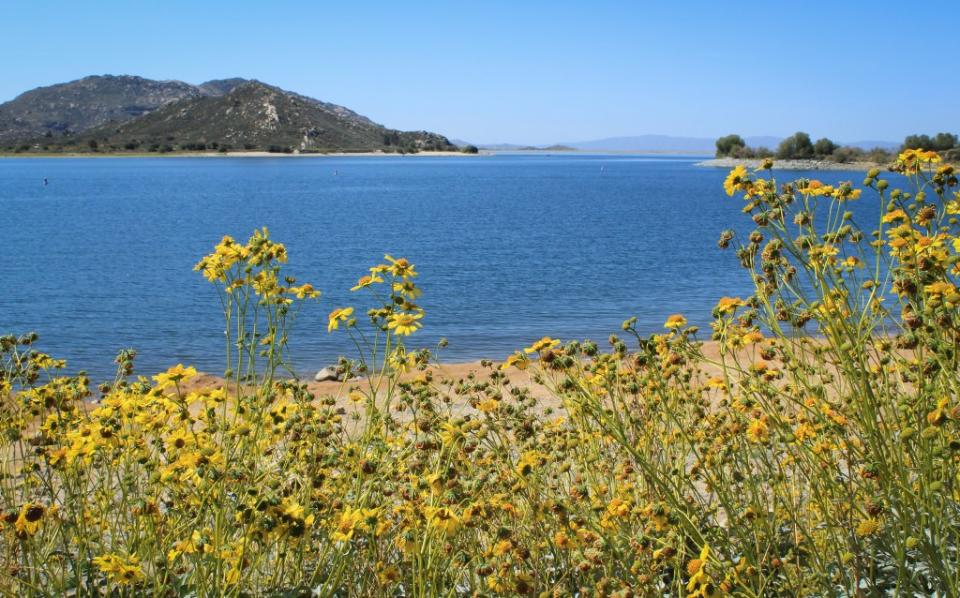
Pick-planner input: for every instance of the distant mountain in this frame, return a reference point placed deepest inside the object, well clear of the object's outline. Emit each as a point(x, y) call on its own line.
point(125, 113)
point(80, 105)
point(647, 143)
point(501, 147)
point(513, 147)
point(868, 145)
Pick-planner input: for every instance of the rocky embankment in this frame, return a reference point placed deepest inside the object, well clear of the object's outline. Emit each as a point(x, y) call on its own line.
point(792, 164)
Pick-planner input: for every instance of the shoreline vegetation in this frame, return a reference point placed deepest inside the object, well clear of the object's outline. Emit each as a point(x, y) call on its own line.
point(240, 154)
point(728, 162)
point(810, 448)
point(799, 152)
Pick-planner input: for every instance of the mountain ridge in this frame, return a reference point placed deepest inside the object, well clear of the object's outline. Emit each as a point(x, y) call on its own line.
point(118, 113)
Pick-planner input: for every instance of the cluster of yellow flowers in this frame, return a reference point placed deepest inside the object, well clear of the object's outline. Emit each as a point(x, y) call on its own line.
point(810, 448)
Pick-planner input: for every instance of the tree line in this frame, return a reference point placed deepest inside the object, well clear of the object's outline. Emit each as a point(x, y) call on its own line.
point(799, 146)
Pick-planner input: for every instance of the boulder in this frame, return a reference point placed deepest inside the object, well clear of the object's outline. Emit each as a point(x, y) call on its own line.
point(327, 373)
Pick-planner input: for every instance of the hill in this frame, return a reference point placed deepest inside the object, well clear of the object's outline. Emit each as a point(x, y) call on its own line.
point(254, 115)
point(86, 103)
point(134, 114)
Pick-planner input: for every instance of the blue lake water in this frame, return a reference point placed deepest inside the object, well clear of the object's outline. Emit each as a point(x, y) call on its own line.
point(509, 247)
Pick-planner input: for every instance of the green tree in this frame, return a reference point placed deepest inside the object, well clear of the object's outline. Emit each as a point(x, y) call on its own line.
point(940, 142)
point(730, 145)
point(796, 147)
point(917, 142)
point(944, 141)
point(469, 149)
point(824, 147)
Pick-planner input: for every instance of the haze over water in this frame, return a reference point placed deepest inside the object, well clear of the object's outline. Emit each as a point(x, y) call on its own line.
point(509, 247)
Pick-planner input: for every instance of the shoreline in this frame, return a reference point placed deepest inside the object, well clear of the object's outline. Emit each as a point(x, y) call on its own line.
point(243, 154)
point(456, 371)
point(790, 164)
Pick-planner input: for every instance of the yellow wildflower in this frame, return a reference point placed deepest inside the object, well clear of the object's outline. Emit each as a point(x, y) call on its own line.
point(120, 569)
point(736, 180)
point(338, 315)
point(542, 345)
point(404, 323)
point(172, 376)
point(675, 321)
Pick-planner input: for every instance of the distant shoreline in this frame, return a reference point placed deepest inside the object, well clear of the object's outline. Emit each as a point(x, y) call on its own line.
point(791, 164)
point(250, 154)
point(263, 154)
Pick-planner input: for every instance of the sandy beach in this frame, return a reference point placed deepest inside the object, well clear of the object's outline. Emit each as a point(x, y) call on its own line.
point(450, 374)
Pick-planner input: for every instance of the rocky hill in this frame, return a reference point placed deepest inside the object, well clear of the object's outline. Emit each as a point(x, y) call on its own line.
point(77, 106)
point(124, 114)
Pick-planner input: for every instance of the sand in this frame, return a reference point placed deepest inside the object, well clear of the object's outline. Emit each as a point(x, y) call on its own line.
point(452, 373)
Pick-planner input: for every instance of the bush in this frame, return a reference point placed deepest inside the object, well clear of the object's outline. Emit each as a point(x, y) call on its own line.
point(941, 142)
point(730, 146)
point(796, 147)
point(878, 155)
point(824, 148)
point(470, 149)
point(762, 152)
point(846, 154)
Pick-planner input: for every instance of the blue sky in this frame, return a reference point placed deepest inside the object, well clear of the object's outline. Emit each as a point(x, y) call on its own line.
point(530, 72)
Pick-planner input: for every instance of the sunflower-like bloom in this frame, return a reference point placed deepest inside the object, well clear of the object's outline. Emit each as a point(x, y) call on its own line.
point(404, 323)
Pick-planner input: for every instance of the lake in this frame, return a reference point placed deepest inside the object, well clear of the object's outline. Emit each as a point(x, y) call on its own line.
point(509, 247)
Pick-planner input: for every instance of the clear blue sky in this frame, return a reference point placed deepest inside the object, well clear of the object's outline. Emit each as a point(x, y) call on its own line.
point(530, 71)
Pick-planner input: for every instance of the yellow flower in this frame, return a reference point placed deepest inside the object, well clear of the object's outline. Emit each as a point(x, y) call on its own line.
point(940, 287)
point(29, 519)
point(675, 321)
point(542, 345)
point(518, 360)
point(867, 527)
point(894, 216)
point(736, 180)
point(846, 192)
point(348, 522)
point(717, 383)
point(502, 547)
point(338, 315)
point(562, 540)
point(120, 569)
point(366, 281)
point(729, 305)
point(528, 461)
point(912, 160)
point(176, 374)
point(488, 405)
point(304, 291)
point(404, 323)
point(758, 431)
point(400, 267)
point(443, 519)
